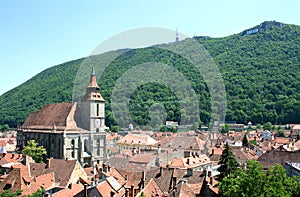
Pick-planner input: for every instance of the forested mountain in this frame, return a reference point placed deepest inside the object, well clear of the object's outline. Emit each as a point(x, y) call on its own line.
point(260, 68)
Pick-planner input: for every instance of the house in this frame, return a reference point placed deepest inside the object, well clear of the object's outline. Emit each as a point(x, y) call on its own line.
point(151, 189)
point(53, 176)
point(269, 158)
point(266, 135)
point(137, 142)
point(70, 131)
point(8, 145)
point(193, 163)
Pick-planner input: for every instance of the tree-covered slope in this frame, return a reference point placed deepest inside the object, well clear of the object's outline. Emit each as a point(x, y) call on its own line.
point(260, 68)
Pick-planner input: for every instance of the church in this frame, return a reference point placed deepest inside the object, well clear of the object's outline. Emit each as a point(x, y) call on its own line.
point(70, 131)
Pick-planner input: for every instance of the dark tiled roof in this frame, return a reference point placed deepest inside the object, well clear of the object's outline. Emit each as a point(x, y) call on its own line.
point(59, 114)
point(117, 162)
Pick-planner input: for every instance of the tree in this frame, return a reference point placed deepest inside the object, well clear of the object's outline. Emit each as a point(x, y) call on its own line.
point(224, 128)
point(228, 163)
point(115, 128)
point(6, 193)
point(35, 151)
point(268, 126)
point(258, 126)
point(255, 182)
point(245, 140)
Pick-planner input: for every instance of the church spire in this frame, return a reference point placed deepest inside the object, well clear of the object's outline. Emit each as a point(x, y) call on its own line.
point(92, 89)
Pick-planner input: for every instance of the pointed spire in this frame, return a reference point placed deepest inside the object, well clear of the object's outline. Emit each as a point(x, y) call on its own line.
point(93, 70)
point(92, 89)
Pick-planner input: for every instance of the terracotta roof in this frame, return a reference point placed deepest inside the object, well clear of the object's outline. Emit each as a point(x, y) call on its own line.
point(92, 90)
point(141, 158)
point(69, 192)
point(138, 140)
point(116, 174)
point(10, 158)
point(117, 162)
point(189, 162)
point(272, 157)
point(180, 142)
point(151, 189)
point(282, 140)
point(109, 185)
point(183, 190)
point(60, 114)
point(46, 181)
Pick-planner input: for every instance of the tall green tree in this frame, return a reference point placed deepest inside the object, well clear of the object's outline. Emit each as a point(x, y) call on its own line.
point(228, 163)
point(35, 151)
point(245, 140)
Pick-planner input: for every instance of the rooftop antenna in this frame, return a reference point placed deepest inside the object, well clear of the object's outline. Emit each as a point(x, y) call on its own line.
point(177, 37)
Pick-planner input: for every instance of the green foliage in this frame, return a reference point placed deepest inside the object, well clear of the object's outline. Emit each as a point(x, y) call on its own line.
point(245, 140)
point(280, 133)
point(35, 151)
point(115, 128)
point(260, 72)
point(38, 193)
point(253, 142)
point(4, 127)
point(7, 193)
point(228, 163)
point(224, 128)
point(255, 182)
point(258, 126)
point(268, 126)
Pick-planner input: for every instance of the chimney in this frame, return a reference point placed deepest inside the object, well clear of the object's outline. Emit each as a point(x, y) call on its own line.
point(126, 177)
point(108, 168)
point(161, 171)
point(85, 190)
point(132, 190)
point(174, 183)
point(143, 179)
point(48, 163)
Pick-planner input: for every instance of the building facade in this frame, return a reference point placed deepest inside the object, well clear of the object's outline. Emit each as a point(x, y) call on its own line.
point(70, 131)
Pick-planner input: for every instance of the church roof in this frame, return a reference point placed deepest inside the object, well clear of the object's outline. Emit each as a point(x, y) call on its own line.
point(60, 115)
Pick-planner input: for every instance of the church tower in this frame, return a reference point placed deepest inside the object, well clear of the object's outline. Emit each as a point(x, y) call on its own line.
point(93, 107)
point(93, 118)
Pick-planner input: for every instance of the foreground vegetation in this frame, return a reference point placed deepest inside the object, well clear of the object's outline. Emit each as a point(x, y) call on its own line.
point(253, 180)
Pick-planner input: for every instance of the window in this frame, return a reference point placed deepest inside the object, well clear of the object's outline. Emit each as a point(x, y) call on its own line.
point(98, 109)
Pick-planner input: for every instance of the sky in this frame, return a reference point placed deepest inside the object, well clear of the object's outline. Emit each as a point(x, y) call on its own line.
point(35, 35)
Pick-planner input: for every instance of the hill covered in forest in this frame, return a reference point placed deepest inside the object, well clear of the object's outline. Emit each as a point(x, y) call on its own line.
point(260, 68)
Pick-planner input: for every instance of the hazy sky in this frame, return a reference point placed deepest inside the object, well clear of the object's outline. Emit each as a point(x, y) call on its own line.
point(35, 35)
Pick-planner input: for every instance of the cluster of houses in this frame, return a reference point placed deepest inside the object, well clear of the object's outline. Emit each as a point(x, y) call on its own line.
point(85, 160)
point(146, 163)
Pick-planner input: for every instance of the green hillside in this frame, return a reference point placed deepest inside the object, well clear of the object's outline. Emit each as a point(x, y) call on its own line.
point(260, 68)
